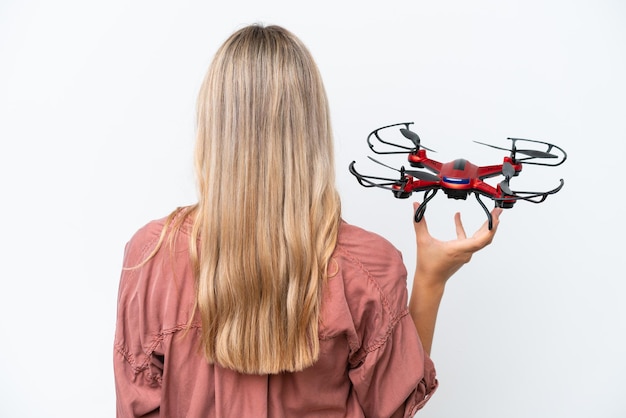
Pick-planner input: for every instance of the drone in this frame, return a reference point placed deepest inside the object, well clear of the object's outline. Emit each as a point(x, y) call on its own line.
point(458, 178)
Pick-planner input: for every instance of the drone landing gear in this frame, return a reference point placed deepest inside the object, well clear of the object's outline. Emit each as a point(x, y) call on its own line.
point(428, 195)
point(482, 204)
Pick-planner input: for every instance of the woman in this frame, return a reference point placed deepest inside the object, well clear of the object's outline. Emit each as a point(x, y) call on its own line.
point(259, 301)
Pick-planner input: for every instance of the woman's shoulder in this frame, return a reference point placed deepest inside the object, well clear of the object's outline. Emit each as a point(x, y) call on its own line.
point(371, 263)
point(147, 237)
point(364, 243)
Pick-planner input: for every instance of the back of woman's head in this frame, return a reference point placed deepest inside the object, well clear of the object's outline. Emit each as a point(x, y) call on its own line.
point(268, 212)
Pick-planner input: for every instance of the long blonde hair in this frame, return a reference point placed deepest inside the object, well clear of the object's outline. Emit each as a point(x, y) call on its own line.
point(268, 212)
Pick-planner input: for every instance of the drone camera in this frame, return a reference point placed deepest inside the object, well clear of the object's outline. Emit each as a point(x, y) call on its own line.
point(456, 194)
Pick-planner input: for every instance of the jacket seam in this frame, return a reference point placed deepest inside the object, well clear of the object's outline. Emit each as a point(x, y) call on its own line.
point(154, 343)
point(395, 316)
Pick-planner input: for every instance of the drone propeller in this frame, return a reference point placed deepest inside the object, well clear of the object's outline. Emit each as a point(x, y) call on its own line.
point(508, 171)
point(529, 152)
point(421, 175)
point(504, 186)
point(411, 135)
point(492, 146)
point(383, 164)
point(534, 197)
point(414, 138)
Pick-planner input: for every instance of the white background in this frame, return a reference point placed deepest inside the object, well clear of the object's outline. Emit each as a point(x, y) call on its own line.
point(96, 134)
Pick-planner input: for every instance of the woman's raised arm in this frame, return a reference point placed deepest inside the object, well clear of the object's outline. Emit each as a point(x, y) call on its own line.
point(437, 261)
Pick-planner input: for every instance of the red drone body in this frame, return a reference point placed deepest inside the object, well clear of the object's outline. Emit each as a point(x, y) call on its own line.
point(458, 178)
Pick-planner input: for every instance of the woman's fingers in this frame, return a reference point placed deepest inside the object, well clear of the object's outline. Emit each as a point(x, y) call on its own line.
point(481, 238)
point(460, 231)
point(484, 235)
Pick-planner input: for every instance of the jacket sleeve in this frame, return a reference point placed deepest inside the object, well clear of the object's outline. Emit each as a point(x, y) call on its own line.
point(136, 363)
point(390, 372)
point(395, 378)
point(137, 387)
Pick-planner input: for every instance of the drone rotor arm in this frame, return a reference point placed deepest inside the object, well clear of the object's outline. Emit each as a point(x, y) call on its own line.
point(427, 163)
point(489, 171)
point(421, 186)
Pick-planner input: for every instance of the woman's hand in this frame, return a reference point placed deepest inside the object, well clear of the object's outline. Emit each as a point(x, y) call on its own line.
point(437, 261)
